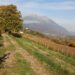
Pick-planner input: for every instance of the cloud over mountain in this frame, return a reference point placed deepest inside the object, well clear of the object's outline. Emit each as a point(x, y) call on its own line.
point(44, 25)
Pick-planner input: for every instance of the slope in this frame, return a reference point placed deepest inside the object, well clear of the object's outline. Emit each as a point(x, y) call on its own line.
point(44, 25)
point(32, 58)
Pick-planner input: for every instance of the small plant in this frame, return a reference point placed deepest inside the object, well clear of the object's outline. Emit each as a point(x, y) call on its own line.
point(72, 45)
point(17, 35)
point(4, 57)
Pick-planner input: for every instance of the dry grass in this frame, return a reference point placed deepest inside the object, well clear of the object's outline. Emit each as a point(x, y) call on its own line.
point(50, 44)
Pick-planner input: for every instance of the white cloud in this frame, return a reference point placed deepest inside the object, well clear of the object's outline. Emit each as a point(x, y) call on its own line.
point(30, 7)
point(69, 24)
point(6, 2)
point(51, 6)
point(65, 5)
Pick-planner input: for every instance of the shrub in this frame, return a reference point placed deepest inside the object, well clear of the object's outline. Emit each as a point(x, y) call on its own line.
point(17, 35)
point(1, 41)
point(72, 45)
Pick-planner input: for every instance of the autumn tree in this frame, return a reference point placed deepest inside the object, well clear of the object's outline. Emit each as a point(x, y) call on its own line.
point(10, 19)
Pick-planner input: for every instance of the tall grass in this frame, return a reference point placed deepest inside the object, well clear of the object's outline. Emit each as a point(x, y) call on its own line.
point(51, 45)
point(56, 67)
point(62, 56)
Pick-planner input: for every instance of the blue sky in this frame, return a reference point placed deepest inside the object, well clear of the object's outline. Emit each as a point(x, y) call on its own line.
point(61, 11)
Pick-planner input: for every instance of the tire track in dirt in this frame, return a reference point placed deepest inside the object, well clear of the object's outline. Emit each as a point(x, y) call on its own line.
point(10, 61)
point(37, 67)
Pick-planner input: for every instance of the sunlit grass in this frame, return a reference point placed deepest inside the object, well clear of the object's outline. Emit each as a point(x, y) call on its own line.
point(22, 67)
point(44, 59)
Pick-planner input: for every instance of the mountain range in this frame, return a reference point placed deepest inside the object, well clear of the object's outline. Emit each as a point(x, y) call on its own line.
point(44, 25)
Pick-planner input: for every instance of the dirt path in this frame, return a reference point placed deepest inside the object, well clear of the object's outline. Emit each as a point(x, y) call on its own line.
point(35, 64)
point(11, 60)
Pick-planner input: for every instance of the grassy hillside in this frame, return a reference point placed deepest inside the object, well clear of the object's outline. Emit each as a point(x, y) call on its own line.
point(69, 51)
point(35, 55)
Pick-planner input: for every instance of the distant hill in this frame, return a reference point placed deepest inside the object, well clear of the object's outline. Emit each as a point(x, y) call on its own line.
point(44, 25)
point(72, 33)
